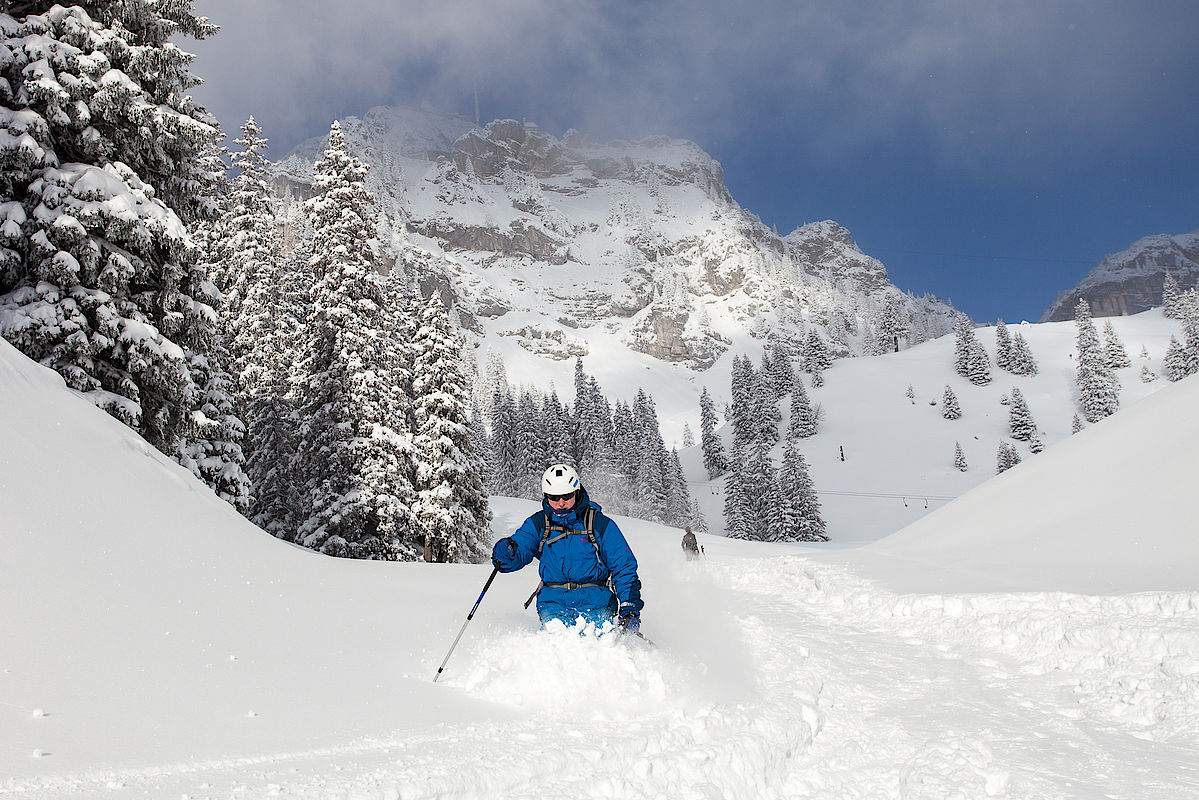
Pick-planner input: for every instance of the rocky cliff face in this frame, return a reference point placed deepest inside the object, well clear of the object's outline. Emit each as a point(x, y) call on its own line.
point(1131, 281)
point(563, 245)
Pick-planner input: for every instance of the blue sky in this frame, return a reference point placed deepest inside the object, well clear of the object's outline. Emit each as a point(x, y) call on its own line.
point(990, 154)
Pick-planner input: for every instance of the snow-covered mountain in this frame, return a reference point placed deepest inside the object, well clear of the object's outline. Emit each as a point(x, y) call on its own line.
point(557, 245)
point(156, 644)
point(1130, 281)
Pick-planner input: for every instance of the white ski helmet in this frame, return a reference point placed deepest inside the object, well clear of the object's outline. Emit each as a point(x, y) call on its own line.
point(560, 479)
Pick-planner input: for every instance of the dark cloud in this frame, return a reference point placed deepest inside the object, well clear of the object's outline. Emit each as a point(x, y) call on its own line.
point(972, 83)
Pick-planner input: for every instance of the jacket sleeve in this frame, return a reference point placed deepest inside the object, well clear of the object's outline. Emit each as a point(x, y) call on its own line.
point(623, 566)
point(517, 550)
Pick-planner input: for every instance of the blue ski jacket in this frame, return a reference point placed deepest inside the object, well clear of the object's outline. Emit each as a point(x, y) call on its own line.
point(574, 559)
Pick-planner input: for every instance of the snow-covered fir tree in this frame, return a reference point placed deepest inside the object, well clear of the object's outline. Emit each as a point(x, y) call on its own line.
point(816, 357)
point(1098, 386)
point(892, 323)
point(978, 364)
point(1020, 423)
point(715, 461)
point(798, 518)
point(1076, 424)
point(739, 510)
point(910, 394)
point(101, 170)
point(1175, 360)
point(1006, 458)
point(804, 420)
point(1147, 375)
point(1170, 296)
point(1003, 345)
point(354, 450)
point(688, 435)
point(963, 344)
point(211, 445)
point(1113, 348)
point(950, 409)
point(506, 477)
point(959, 458)
point(742, 391)
point(1021, 360)
point(760, 487)
point(766, 414)
point(1188, 310)
point(451, 504)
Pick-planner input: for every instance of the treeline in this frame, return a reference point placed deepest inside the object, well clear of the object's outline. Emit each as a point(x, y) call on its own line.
point(617, 447)
point(310, 387)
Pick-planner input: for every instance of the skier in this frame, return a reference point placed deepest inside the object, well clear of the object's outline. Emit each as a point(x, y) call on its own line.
point(690, 546)
point(587, 570)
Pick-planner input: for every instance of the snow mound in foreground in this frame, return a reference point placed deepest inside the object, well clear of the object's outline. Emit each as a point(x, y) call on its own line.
point(578, 671)
point(1106, 511)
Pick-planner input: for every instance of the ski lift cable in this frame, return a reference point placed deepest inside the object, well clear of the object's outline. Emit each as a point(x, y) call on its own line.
point(887, 495)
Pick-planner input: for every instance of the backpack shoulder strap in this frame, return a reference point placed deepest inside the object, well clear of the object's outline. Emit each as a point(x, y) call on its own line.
point(549, 527)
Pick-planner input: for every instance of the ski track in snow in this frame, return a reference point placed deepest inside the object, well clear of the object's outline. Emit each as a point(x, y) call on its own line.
point(845, 691)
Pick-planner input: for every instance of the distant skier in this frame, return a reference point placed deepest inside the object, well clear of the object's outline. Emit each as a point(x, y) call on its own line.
point(587, 569)
point(690, 546)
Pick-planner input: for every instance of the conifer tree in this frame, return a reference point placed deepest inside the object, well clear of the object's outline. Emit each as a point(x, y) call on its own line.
point(978, 364)
point(211, 447)
point(1076, 425)
point(713, 448)
point(1175, 361)
point(959, 458)
point(1113, 349)
point(963, 344)
point(1006, 458)
point(1170, 295)
point(804, 422)
point(451, 506)
point(1003, 346)
point(1020, 424)
point(354, 447)
point(816, 357)
point(799, 518)
point(950, 409)
point(1098, 386)
point(99, 176)
point(766, 412)
point(1147, 375)
point(892, 324)
point(688, 435)
point(781, 372)
point(1020, 359)
point(678, 500)
point(742, 391)
point(760, 488)
point(1188, 310)
point(506, 475)
point(738, 511)
point(558, 430)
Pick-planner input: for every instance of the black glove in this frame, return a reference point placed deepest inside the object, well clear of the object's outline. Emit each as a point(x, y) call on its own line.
point(629, 622)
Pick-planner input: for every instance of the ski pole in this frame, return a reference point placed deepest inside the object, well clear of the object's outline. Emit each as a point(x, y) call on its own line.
point(495, 571)
point(536, 592)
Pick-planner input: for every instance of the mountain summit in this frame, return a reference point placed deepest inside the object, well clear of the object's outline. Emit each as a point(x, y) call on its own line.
point(1130, 281)
point(556, 244)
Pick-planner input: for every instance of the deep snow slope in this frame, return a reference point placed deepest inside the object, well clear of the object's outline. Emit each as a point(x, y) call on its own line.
point(157, 645)
point(1120, 491)
point(898, 462)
